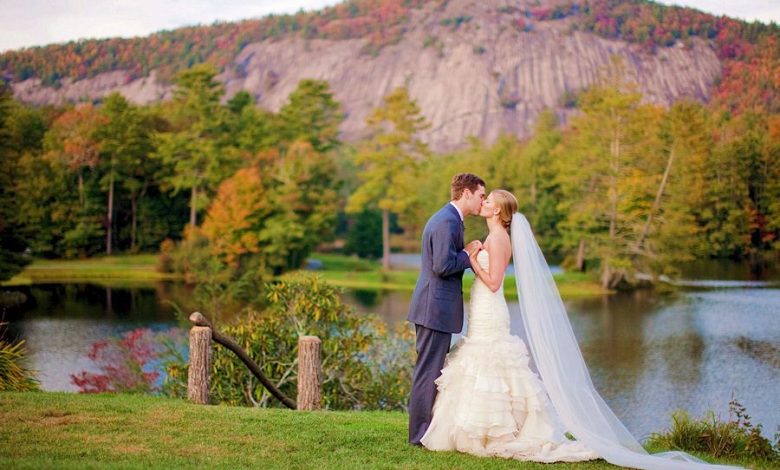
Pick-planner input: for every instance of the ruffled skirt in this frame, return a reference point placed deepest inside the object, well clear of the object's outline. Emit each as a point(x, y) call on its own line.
point(490, 403)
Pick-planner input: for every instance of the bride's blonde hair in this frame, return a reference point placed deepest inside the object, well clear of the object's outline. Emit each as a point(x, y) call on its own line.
point(507, 205)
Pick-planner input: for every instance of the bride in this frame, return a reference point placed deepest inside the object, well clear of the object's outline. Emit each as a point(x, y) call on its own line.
point(490, 403)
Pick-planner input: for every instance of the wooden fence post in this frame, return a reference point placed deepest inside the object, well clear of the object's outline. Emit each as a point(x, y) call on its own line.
point(200, 363)
point(309, 373)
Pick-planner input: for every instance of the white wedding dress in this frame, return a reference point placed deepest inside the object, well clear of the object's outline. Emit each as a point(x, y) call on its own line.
point(490, 403)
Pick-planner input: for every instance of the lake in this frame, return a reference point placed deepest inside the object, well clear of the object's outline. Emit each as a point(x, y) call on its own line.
point(648, 353)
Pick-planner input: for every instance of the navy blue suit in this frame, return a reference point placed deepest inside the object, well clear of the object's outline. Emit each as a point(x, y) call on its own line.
point(436, 310)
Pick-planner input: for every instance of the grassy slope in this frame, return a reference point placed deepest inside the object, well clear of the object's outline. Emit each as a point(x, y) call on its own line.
point(45, 430)
point(63, 430)
point(39, 430)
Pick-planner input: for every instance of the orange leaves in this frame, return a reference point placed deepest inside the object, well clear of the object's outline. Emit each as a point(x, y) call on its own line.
point(73, 138)
point(172, 51)
point(239, 206)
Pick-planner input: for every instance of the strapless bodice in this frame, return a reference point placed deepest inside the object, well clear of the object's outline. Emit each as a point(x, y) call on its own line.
point(488, 312)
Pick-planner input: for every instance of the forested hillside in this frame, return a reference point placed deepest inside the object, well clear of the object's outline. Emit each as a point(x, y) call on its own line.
point(636, 137)
point(476, 67)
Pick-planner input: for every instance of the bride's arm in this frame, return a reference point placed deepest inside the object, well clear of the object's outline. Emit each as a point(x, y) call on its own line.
point(499, 259)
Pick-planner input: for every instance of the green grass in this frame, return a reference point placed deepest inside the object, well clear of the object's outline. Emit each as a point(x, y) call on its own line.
point(43, 430)
point(103, 269)
point(343, 271)
point(354, 273)
point(59, 430)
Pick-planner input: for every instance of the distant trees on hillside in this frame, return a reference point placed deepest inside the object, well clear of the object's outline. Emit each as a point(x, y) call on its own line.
point(627, 187)
point(749, 51)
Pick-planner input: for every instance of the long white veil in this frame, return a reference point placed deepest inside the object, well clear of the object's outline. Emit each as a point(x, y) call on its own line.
point(563, 371)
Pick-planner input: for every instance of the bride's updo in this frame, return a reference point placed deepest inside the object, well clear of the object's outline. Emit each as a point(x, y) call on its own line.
point(507, 205)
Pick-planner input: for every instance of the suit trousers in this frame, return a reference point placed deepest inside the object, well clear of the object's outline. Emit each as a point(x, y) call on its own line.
point(432, 348)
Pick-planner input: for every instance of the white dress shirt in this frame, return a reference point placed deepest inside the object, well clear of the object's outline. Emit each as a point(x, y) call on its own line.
point(457, 209)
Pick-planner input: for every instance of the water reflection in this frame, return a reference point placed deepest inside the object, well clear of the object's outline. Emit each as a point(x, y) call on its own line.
point(60, 322)
point(692, 361)
point(391, 306)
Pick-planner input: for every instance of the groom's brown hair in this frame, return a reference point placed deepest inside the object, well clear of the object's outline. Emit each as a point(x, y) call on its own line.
point(463, 181)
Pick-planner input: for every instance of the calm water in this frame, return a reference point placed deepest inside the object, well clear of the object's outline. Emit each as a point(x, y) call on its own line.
point(648, 354)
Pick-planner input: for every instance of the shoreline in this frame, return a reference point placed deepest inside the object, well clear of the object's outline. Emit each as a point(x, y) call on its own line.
point(339, 270)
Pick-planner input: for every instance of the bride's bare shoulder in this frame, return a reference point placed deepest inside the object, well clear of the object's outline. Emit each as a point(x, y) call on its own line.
point(503, 239)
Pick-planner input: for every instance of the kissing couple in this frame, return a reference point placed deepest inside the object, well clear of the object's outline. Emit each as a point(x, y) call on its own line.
point(481, 397)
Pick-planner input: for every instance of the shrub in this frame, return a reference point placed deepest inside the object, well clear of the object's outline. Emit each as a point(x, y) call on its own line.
point(365, 366)
point(14, 377)
point(735, 438)
point(127, 363)
point(365, 236)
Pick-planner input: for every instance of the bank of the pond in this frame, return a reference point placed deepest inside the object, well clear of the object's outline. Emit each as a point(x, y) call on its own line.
point(122, 269)
point(47, 430)
point(353, 273)
point(339, 270)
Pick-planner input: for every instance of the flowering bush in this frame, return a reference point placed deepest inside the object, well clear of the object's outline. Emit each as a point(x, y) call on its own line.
point(127, 363)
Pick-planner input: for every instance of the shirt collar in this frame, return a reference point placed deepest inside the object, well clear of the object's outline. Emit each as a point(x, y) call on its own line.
point(457, 209)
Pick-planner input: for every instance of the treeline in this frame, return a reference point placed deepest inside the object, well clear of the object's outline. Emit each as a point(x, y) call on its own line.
point(231, 190)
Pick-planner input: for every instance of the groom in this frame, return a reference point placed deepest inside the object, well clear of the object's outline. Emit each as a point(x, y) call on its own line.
point(437, 303)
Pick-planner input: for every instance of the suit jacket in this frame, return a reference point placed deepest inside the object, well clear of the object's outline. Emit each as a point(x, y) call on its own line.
point(437, 302)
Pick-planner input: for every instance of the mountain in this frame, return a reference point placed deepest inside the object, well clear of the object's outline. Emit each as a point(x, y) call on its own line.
point(475, 67)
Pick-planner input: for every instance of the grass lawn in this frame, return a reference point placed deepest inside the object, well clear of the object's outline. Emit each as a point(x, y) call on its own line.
point(339, 270)
point(102, 269)
point(60, 430)
point(354, 273)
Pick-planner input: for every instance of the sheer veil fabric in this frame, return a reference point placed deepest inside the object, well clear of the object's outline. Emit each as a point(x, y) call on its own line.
point(557, 355)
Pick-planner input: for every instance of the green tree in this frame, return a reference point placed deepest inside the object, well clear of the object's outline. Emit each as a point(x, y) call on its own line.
point(365, 235)
point(607, 175)
point(269, 217)
point(744, 186)
point(304, 193)
point(72, 140)
point(537, 188)
point(125, 143)
point(252, 129)
point(671, 232)
point(12, 245)
point(71, 148)
point(389, 162)
point(311, 114)
point(195, 149)
point(725, 218)
point(772, 192)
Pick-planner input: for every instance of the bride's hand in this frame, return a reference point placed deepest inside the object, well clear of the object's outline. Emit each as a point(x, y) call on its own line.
point(473, 247)
point(473, 256)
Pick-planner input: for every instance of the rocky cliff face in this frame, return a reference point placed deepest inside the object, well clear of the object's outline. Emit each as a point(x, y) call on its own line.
point(470, 70)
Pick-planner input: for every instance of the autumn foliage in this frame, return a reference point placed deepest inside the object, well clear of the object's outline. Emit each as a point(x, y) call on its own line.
point(748, 50)
point(169, 52)
point(241, 205)
point(123, 364)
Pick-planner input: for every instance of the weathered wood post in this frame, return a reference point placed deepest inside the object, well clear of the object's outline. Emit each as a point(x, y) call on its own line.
point(200, 363)
point(309, 373)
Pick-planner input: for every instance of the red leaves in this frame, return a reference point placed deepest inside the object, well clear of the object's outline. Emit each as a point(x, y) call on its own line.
point(73, 137)
point(122, 362)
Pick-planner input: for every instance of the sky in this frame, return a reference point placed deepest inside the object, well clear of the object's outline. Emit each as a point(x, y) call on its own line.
point(25, 23)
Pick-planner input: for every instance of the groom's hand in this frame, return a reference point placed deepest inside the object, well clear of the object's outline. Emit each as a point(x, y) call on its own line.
point(473, 247)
